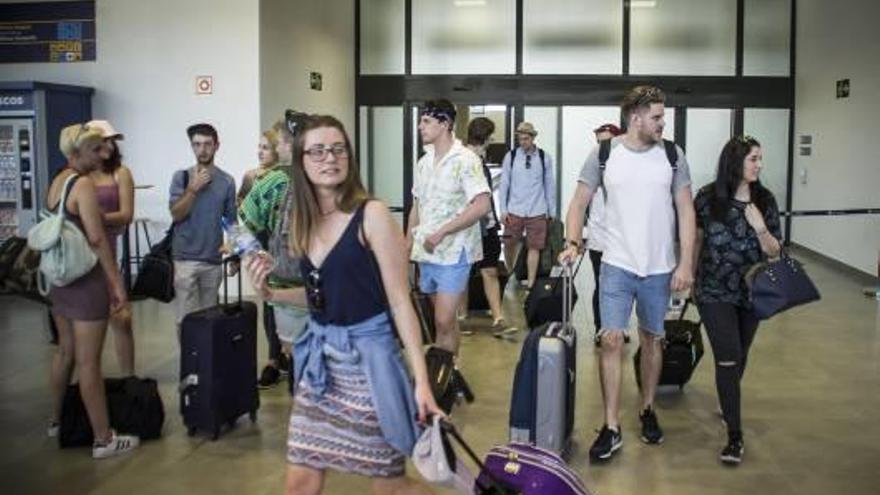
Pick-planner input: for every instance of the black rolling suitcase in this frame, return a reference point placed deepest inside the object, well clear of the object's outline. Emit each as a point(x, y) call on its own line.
point(218, 365)
point(544, 302)
point(682, 351)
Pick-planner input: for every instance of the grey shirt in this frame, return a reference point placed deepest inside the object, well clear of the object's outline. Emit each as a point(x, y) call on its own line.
point(199, 235)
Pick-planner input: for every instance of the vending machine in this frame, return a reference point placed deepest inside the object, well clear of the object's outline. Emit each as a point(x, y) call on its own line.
point(32, 115)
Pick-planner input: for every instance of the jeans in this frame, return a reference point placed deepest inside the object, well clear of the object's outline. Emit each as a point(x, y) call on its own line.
point(731, 330)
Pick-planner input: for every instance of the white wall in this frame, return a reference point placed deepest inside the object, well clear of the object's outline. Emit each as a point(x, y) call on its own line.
point(838, 40)
point(148, 55)
point(300, 37)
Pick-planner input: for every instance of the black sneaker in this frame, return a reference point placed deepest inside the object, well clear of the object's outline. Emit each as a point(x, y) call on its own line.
point(607, 443)
point(269, 377)
point(651, 432)
point(283, 364)
point(733, 452)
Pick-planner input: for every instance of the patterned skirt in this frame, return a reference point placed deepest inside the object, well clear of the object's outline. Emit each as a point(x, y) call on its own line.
point(340, 430)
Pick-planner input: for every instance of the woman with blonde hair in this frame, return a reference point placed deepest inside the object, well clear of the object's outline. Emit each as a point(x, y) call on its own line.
point(268, 159)
point(355, 408)
point(82, 308)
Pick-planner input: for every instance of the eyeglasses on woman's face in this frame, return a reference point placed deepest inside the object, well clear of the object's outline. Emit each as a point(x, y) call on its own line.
point(320, 152)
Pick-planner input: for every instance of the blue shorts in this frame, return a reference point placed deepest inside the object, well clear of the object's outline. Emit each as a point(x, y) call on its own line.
point(450, 279)
point(618, 289)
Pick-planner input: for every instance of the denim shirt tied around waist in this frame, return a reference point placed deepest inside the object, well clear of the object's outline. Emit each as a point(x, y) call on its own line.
point(372, 346)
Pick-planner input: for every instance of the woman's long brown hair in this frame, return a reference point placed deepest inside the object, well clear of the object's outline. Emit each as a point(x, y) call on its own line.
point(306, 213)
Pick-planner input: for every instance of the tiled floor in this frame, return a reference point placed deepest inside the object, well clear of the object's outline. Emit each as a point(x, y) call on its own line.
point(811, 406)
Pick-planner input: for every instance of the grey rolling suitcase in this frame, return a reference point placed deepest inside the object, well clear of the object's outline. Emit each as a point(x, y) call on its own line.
point(542, 405)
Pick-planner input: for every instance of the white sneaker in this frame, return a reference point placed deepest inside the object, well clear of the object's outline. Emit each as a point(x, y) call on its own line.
point(118, 444)
point(53, 429)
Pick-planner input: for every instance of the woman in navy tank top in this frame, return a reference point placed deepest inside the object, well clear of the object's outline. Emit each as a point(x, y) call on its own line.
point(355, 408)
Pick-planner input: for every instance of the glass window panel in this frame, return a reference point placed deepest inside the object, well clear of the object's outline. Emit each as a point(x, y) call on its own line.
point(766, 37)
point(383, 47)
point(770, 127)
point(708, 129)
point(669, 123)
point(578, 141)
point(387, 154)
point(683, 37)
point(463, 37)
point(545, 119)
point(572, 37)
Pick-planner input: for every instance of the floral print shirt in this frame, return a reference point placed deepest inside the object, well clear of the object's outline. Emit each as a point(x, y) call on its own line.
point(443, 191)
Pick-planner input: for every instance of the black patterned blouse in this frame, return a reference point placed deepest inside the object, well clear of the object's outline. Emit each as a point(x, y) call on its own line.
point(729, 249)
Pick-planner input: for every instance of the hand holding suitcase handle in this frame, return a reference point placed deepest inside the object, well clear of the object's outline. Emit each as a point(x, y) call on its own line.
point(496, 487)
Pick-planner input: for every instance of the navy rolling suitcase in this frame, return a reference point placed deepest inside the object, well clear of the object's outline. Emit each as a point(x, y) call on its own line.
point(543, 398)
point(218, 365)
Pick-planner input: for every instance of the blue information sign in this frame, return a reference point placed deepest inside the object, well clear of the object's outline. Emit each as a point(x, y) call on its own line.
point(47, 32)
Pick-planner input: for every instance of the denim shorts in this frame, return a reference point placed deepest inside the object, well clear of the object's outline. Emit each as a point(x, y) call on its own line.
point(619, 288)
point(449, 279)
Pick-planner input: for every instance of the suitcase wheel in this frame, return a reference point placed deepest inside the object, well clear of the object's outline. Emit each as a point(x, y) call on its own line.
point(216, 434)
point(191, 431)
point(253, 416)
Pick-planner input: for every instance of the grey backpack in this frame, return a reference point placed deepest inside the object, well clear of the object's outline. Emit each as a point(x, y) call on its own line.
point(286, 266)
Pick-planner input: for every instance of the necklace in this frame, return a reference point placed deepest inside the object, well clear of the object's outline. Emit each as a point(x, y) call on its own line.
point(324, 214)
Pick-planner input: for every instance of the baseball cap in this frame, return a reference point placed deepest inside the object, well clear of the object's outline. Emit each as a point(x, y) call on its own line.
point(105, 128)
point(613, 129)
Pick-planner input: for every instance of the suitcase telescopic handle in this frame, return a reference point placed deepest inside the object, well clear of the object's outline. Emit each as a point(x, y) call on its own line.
point(226, 262)
point(567, 283)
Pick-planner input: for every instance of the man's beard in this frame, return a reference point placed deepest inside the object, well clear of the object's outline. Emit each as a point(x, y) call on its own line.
point(205, 161)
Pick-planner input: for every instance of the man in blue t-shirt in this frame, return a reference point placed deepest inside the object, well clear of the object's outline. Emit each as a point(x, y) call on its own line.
point(199, 197)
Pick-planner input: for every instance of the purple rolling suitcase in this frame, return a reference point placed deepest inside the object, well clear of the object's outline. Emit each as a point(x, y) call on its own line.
point(521, 469)
point(530, 471)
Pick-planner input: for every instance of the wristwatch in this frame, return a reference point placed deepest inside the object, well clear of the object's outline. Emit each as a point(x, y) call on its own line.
point(576, 244)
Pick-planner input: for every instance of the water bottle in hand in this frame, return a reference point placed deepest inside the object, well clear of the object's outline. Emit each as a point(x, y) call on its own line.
point(244, 243)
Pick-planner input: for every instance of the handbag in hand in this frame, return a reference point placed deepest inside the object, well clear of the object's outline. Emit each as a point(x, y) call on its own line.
point(778, 285)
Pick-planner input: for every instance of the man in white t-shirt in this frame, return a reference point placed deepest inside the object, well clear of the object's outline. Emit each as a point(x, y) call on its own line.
point(644, 193)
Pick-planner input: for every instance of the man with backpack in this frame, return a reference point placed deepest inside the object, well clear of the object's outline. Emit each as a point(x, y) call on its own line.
point(646, 186)
point(527, 197)
point(200, 196)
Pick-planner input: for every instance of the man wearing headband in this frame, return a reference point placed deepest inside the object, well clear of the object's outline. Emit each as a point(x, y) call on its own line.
point(450, 195)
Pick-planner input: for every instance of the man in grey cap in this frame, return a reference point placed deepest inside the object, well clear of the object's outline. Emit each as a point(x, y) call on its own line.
point(527, 197)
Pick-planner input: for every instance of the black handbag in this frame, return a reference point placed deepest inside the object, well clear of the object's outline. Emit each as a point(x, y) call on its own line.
point(133, 404)
point(779, 285)
point(156, 274)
